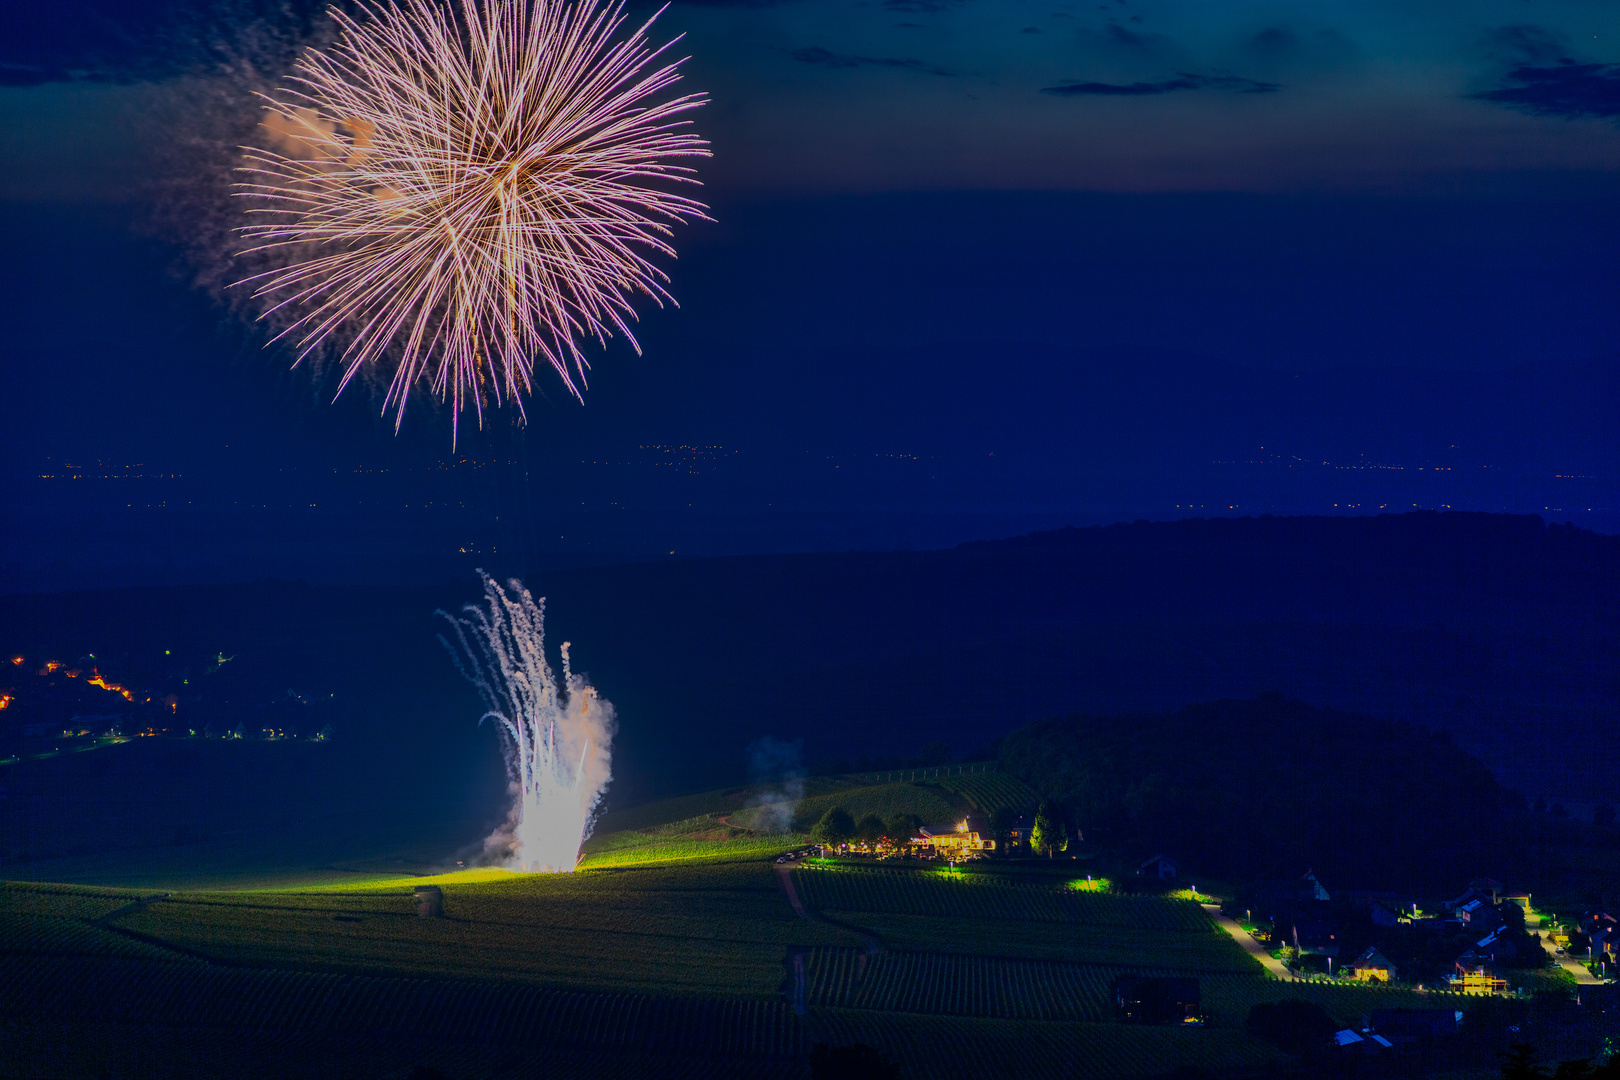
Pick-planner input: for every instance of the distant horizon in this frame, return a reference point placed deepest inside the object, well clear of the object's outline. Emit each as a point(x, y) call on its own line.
point(584, 561)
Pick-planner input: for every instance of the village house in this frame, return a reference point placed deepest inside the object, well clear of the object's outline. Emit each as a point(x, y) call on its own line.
point(1474, 974)
point(1160, 866)
point(1384, 909)
point(953, 840)
point(1018, 833)
point(1372, 966)
point(1489, 892)
point(1478, 915)
point(1314, 935)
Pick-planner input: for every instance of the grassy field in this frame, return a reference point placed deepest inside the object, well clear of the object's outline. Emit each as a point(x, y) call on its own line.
point(676, 951)
point(719, 932)
point(988, 792)
point(1087, 943)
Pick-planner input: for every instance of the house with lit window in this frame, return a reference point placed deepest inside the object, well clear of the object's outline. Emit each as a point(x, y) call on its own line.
point(953, 839)
point(1018, 832)
point(1474, 974)
point(1372, 966)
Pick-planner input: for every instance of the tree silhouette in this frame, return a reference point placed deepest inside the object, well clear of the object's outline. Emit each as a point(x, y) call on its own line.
point(1046, 835)
point(835, 827)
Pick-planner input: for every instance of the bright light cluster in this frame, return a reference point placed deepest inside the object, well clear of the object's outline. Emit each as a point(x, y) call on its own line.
point(457, 189)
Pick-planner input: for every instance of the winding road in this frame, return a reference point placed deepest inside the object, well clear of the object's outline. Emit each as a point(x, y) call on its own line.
point(1248, 942)
point(1568, 963)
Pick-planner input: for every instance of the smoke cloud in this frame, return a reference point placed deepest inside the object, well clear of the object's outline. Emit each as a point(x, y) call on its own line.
point(776, 772)
point(195, 125)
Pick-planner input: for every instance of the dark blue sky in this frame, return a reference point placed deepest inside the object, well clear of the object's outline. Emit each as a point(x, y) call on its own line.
point(978, 268)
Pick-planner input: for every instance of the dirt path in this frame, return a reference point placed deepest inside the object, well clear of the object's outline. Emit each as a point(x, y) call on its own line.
point(784, 878)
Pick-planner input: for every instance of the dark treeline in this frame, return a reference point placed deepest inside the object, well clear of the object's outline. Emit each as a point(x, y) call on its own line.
point(1269, 787)
point(1500, 629)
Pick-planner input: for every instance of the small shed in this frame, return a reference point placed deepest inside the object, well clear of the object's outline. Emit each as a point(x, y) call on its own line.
point(429, 901)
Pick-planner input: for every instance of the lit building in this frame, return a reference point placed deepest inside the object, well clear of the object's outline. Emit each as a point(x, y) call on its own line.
point(1372, 966)
point(1474, 975)
point(950, 839)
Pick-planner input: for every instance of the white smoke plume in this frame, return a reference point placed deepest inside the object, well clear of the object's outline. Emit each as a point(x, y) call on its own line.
point(557, 736)
point(196, 122)
point(777, 774)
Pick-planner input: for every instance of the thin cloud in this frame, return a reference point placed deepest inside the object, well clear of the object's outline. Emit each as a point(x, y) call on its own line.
point(1565, 89)
point(28, 75)
point(1526, 43)
point(1182, 81)
point(842, 61)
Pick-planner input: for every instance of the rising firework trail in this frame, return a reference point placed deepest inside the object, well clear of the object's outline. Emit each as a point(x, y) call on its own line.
point(451, 192)
point(556, 735)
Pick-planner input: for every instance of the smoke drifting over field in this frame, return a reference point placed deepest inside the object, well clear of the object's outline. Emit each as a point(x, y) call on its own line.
point(776, 770)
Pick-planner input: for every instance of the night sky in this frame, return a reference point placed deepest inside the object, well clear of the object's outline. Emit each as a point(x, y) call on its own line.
point(977, 268)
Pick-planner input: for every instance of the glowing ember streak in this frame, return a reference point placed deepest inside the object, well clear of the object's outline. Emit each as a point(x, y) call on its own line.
point(556, 738)
point(458, 189)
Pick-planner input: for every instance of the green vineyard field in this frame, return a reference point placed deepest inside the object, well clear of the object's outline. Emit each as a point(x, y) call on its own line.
point(924, 893)
point(62, 901)
point(721, 933)
point(991, 791)
point(161, 994)
point(954, 985)
point(87, 1048)
point(945, 985)
point(46, 935)
point(679, 970)
point(966, 1049)
point(1183, 950)
point(644, 850)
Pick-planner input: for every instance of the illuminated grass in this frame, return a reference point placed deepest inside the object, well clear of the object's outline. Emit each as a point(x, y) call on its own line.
point(972, 895)
point(384, 882)
point(655, 850)
point(715, 931)
point(62, 901)
point(983, 973)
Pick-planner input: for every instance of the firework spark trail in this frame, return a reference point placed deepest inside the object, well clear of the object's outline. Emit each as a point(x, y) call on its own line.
point(460, 189)
point(556, 738)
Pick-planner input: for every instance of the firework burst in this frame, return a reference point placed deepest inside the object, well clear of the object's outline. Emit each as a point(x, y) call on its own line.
point(450, 193)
